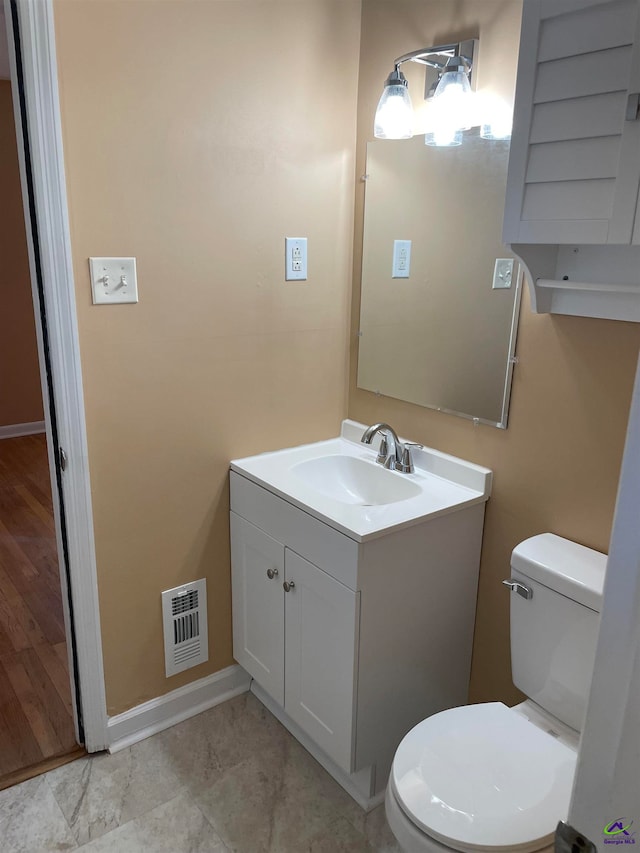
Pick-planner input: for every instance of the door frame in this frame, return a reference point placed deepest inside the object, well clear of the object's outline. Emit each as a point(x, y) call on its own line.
point(46, 217)
point(607, 776)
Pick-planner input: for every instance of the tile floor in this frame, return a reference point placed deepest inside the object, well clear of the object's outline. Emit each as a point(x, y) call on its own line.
point(231, 779)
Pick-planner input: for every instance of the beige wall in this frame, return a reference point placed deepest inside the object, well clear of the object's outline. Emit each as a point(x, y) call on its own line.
point(556, 467)
point(20, 393)
point(196, 140)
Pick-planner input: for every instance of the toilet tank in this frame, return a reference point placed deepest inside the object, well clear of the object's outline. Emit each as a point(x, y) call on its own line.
point(554, 633)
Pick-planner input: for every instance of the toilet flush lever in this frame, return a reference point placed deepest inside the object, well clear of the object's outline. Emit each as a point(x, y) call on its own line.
point(520, 588)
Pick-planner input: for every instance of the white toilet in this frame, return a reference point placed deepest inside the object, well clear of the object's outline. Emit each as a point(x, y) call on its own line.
point(491, 778)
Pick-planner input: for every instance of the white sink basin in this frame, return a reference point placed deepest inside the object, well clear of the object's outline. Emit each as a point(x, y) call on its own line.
point(340, 482)
point(355, 481)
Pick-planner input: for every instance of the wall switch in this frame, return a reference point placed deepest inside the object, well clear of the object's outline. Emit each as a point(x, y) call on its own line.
point(113, 280)
point(401, 266)
point(295, 258)
point(502, 273)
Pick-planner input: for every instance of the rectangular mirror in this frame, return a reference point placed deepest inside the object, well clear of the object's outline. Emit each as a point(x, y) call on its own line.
point(444, 337)
point(441, 332)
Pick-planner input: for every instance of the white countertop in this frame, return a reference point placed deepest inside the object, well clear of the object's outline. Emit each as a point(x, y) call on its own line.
point(445, 484)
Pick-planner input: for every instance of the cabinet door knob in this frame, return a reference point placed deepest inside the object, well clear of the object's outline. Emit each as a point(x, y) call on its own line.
point(288, 585)
point(272, 573)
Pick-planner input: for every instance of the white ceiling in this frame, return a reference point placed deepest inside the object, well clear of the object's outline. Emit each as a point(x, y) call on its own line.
point(4, 50)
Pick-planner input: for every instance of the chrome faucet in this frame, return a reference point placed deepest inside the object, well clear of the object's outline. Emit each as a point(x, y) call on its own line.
point(398, 456)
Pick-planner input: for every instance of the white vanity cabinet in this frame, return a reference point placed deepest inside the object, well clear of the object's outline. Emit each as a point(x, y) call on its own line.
point(282, 637)
point(571, 211)
point(371, 637)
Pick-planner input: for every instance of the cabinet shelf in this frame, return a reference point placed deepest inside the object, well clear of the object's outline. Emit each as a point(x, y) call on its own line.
point(600, 287)
point(584, 281)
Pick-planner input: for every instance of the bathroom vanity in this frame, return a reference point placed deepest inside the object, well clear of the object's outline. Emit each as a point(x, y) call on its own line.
point(354, 594)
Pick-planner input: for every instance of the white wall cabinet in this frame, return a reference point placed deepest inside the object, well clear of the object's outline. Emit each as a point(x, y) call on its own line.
point(371, 637)
point(571, 211)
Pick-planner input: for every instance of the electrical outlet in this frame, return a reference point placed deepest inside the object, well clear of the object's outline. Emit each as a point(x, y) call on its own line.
point(502, 273)
point(295, 258)
point(401, 266)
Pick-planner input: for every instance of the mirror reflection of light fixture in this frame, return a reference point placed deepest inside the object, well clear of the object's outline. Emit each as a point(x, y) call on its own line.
point(453, 64)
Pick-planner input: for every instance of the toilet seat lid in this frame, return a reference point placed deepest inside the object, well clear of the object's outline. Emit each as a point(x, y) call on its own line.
point(482, 777)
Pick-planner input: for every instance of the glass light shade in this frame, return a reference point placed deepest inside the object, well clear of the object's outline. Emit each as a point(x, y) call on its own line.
point(454, 80)
point(497, 119)
point(443, 137)
point(442, 128)
point(454, 99)
point(394, 116)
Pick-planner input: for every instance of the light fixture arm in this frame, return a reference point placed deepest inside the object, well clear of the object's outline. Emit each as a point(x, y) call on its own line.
point(445, 50)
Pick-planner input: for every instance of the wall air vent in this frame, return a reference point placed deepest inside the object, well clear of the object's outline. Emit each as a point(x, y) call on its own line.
point(184, 617)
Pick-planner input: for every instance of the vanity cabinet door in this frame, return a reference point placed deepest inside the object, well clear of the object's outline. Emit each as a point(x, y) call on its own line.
point(257, 573)
point(322, 619)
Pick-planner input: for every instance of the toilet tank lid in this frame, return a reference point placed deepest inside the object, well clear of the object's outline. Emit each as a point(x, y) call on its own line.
point(564, 566)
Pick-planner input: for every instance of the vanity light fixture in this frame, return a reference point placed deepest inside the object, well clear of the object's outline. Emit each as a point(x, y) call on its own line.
point(452, 106)
point(450, 92)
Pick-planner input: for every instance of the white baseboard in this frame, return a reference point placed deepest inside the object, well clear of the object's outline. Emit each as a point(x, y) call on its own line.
point(158, 714)
point(357, 785)
point(16, 430)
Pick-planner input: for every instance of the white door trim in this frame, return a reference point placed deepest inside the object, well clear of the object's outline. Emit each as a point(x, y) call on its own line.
point(607, 774)
point(40, 78)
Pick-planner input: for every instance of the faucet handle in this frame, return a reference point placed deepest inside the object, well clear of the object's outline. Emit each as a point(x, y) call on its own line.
point(406, 464)
point(383, 450)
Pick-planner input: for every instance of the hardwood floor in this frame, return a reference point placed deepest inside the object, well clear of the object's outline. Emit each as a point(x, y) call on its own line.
point(36, 716)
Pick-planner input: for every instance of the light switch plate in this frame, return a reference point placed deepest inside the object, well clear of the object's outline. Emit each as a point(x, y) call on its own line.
point(113, 280)
point(502, 273)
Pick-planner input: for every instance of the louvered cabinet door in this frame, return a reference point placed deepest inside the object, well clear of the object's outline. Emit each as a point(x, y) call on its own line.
point(574, 167)
point(257, 574)
point(322, 621)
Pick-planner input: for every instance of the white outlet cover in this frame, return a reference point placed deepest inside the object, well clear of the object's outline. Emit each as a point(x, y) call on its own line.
point(295, 258)
point(401, 266)
point(113, 280)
